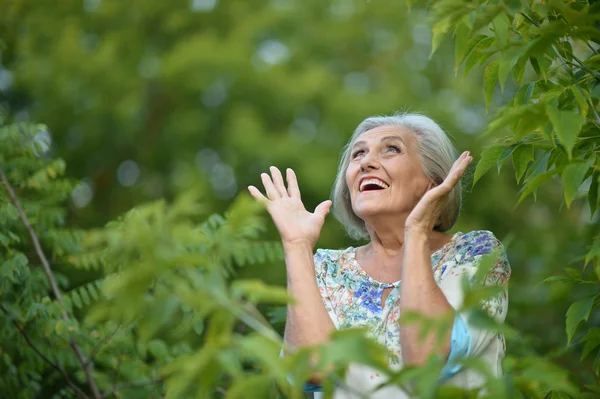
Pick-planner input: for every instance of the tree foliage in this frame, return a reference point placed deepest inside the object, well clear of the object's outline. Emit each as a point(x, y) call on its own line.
point(174, 299)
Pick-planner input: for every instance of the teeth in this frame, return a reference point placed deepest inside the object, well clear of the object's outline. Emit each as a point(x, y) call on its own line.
point(373, 181)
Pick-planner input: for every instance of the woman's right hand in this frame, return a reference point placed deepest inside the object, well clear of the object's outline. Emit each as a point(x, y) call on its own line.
point(296, 225)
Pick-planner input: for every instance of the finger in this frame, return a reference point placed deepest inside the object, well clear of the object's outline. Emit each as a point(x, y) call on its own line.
point(292, 181)
point(458, 169)
point(255, 192)
point(323, 208)
point(269, 187)
point(278, 181)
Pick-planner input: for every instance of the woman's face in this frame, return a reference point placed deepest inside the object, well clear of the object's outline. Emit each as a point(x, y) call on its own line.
point(385, 175)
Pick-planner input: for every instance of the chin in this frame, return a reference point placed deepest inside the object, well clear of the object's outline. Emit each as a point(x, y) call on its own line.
point(366, 210)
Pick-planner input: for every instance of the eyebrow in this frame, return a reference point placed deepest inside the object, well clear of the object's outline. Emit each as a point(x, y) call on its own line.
point(386, 138)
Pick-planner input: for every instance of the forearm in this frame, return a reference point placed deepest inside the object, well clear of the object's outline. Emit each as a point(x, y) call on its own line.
point(308, 322)
point(421, 294)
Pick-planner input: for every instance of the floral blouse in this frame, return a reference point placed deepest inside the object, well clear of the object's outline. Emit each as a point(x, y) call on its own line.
point(353, 299)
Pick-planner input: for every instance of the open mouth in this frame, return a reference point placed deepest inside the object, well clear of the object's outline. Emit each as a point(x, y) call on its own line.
point(372, 185)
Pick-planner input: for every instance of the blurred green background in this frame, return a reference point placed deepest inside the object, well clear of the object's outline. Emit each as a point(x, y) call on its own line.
point(145, 98)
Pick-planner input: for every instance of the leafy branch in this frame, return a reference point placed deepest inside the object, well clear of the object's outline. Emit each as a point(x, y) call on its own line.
point(87, 366)
point(40, 354)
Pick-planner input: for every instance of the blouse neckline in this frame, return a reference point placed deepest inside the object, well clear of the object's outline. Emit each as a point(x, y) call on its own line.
point(360, 270)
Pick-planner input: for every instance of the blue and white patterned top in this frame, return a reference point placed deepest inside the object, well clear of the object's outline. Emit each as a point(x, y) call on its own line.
point(353, 299)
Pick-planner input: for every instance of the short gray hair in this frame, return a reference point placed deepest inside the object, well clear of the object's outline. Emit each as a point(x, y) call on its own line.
point(437, 157)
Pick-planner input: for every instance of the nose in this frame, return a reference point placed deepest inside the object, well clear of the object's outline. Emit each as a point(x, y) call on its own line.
point(369, 162)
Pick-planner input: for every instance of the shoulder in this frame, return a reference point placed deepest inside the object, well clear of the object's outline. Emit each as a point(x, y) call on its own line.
point(478, 242)
point(473, 246)
point(330, 263)
point(327, 256)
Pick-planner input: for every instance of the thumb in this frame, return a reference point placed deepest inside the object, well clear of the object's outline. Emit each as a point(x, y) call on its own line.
point(323, 208)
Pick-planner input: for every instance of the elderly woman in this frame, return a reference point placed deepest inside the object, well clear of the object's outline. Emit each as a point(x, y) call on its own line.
point(398, 185)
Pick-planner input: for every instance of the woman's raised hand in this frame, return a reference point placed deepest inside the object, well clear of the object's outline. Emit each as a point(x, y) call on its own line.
point(425, 214)
point(296, 225)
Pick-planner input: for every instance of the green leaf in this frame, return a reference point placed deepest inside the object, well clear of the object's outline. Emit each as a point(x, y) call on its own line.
point(440, 30)
point(477, 55)
point(76, 300)
point(532, 121)
point(488, 157)
point(556, 279)
point(572, 178)
point(507, 61)
point(353, 345)
point(461, 44)
point(504, 155)
point(490, 78)
point(540, 66)
point(501, 24)
point(521, 157)
point(532, 184)
point(594, 193)
point(519, 70)
point(578, 313)
point(594, 252)
point(258, 292)
point(592, 341)
point(581, 102)
point(158, 349)
point(256, 386)
point(524, 94)
point(567, 125)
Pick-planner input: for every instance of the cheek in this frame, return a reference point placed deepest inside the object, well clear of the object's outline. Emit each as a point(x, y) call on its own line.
point(350, 176)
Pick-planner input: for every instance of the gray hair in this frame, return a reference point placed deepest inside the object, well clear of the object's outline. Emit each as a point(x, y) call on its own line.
point(437, 157)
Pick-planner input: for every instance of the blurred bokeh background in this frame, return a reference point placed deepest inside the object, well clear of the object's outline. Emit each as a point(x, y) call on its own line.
point(145, 98)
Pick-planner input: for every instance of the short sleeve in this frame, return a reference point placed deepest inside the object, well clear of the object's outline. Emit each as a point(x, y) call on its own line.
point(469, 251)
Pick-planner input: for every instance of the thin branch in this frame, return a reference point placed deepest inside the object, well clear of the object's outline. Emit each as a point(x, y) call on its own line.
point(40, 354)
point(100, 344)
point(591, 106)
point(116, 373)
point(528, 18)
point(591, 48)
point(124, 385)
point(579, 64)
point(585, 68)
point(87, 367)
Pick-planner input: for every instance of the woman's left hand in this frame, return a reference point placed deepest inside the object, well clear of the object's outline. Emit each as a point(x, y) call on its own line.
point(425, 215)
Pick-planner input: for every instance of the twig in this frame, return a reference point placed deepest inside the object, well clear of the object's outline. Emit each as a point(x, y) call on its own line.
point(585, 68)
point(117, 369)
point(131, 385)
point(87, 367)
point(591, 48)
point(100, 344)
point(40, 354)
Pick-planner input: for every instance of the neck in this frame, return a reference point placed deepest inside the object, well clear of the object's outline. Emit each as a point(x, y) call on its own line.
point(387, 235)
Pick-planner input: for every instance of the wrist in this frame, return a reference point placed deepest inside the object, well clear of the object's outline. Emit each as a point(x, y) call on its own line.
point(416, 233)
point(298, 246)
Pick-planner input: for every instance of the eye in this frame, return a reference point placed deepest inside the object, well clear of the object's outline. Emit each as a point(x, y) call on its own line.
point(357, 153)
point(394, 148)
